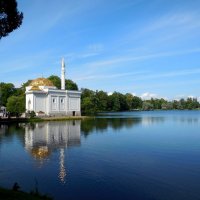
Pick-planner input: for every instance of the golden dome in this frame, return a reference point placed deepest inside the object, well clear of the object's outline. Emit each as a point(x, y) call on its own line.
point(40, 152)
point(35, 88)
point(41, 82)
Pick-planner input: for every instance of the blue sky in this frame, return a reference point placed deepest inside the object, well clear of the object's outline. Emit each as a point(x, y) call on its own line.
point(150, 48)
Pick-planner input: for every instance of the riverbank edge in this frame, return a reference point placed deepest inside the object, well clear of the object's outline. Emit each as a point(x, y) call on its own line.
point(43, 119)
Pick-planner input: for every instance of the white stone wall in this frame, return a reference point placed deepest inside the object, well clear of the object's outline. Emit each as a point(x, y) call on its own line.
point(40, 102)
point(57, 103)
point(74, 103)
point(54, 102)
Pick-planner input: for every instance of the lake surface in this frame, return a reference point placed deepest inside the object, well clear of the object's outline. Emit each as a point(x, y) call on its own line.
point(128, 155)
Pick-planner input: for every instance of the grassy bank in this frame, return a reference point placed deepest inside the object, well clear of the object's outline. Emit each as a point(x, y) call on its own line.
point(37, 119)
point(64, 118)
point(6, 194)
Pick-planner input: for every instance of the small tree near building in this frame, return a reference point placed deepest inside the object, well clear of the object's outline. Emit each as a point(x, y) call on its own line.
point(16, 105)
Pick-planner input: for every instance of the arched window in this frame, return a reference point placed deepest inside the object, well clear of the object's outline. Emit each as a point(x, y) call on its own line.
point(29, 104)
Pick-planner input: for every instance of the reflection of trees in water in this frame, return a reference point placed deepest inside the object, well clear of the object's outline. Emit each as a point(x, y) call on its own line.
point(10, 130)
point(3, 129)
point(189, 120)
point(102, 124)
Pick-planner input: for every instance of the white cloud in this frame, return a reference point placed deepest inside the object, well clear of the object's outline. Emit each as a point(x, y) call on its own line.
point(110, 93)
point(134, 94)
point(184, 96)
point(148, 95)
point(191, 96)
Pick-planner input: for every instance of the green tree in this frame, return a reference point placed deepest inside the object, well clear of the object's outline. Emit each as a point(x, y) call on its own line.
point(10, 17)
point(191, 103)
point(195, 103)
point(55, 80)
point(147, 106)
point(175, 104)
point(167, 106)
point(114, 102)
point(88, 102)
point(24, 85)
point(123, 102)
point(117, 102)
point(86, 93)
point(129, 100)
point(16, 105)
point(182, 104)
point(136, 102)
point(88, 106)
point(102, 100)
point(69, 84)
point(6, 90)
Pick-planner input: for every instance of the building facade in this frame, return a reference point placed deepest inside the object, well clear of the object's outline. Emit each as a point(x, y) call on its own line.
point(44, 98)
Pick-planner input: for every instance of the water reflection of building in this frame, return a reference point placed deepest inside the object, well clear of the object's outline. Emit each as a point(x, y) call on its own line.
point(43, 138)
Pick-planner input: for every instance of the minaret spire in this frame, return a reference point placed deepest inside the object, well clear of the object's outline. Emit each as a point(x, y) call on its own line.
point(63, 74)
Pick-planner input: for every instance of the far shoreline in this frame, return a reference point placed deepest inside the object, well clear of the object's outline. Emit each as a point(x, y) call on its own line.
point(66, 118)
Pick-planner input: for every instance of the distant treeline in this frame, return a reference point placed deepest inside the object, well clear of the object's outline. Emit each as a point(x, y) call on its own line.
point(99, 101)
point(93, 102)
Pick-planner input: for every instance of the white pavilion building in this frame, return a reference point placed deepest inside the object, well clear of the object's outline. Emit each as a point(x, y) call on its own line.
point(45, 138)
point(43, 97)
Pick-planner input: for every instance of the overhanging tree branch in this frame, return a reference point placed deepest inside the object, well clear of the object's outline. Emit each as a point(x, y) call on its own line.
point(10, 17)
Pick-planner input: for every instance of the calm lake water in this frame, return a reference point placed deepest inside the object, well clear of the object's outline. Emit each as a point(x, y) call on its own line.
point(128, 155)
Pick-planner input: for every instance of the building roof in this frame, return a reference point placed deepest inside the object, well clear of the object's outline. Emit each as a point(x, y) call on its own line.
point(35, 88)
point(41, 82)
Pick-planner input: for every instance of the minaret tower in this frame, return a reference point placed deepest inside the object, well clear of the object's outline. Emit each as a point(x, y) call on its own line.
point(62, 173)
point(63, 75)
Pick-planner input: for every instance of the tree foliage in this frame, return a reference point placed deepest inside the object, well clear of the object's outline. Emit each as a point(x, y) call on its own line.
point(69, 84)
point(102, 100)
point(10, 17)
point(6, 90)
point(16, 105)
point(99, 101)
point(136, 102)
point(55, 80)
